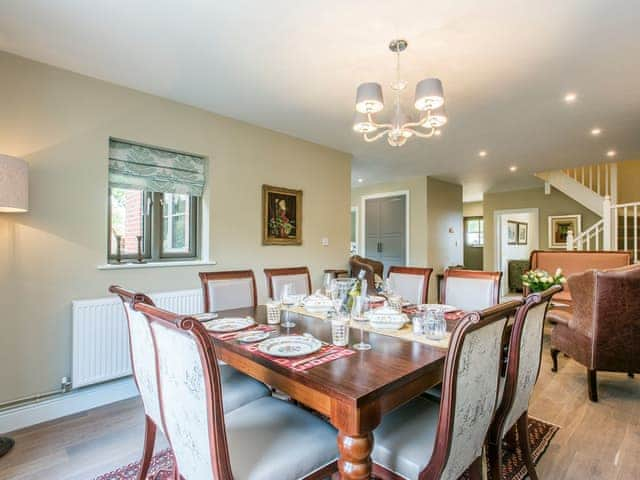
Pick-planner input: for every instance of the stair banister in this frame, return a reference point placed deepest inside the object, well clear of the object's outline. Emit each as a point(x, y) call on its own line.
point(570, 245)
point(607, 231)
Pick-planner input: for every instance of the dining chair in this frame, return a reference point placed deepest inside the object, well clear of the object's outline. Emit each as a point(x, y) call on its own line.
point(426, 440)
point(263, 440)
point(516, 387)
point(411, 283)
point(238, 388)
point(277, 278)
point(470, 289)
point(228, 290)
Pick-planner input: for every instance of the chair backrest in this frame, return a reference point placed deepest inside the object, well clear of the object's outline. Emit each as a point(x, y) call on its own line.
point(228, 290)
point(279, 277)
point(471, 289)
point(190, 394)
point(412, 283)
point(142, 350)
point(524, 358)
point(576, 262)
point(469, 391)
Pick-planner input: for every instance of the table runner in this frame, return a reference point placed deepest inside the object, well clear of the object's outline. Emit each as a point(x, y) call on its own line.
point(327, 353)
point(406, 332)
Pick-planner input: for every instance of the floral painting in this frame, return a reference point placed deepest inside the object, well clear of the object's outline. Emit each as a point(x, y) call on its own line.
point(282, 216)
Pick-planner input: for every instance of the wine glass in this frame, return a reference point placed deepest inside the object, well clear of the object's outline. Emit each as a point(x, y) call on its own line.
point(287, 292)
point(327, 283)
point(358, 313)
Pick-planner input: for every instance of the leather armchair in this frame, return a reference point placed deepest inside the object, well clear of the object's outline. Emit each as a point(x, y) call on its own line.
point(357, 263)
point(603, 332)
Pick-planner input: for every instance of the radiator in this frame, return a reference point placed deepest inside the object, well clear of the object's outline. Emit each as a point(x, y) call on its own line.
point(100, 348)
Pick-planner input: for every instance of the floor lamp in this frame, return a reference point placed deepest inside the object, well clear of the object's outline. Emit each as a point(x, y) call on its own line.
point(14, 198)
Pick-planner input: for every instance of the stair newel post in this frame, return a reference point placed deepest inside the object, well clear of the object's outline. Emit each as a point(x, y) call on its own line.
point(570, 240)
point(607, 229)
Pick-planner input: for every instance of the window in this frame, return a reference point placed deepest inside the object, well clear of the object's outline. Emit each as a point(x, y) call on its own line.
point(154, 203)
point(474, 231)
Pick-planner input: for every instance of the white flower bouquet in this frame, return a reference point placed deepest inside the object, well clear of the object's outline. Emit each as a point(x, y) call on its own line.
point(540, 280)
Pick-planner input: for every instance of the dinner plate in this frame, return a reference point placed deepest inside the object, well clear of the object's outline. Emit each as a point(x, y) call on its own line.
point(290, 346)
point(376, 299)
point(205, 317)
point(230, 324)
point(438, 306)
point(254, 337)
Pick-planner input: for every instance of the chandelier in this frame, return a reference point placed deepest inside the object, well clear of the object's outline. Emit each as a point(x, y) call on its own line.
point(429, 101)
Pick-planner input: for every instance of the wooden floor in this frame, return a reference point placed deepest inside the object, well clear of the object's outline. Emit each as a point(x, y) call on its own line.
point(596, 441)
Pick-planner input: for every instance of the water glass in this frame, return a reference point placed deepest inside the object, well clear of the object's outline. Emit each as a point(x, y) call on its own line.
point(359, 314)
point(273, 312)
point(395, 302)
point(288, 290)
point(327, 283)
point(435, 326)
point(340, 330)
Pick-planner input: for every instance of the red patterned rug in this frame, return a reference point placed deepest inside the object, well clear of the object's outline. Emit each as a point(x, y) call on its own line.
point(540, 435)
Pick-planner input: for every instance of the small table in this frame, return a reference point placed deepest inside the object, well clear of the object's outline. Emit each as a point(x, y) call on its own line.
point(352, 392)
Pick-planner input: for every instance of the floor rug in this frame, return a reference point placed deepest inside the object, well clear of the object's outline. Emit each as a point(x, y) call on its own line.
point(540, 435)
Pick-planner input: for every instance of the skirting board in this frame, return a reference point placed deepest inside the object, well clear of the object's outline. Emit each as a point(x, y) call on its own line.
point(75, 401)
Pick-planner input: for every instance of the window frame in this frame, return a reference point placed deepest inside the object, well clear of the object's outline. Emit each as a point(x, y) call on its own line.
point(479, 233)
point(194, 228)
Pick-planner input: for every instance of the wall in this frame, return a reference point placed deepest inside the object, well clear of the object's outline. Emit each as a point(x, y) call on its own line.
point(628, 175)
point(472, 256)
point(518, 251)
point(60, 123)
point(472, 209)
point(417, 187)
point(557, 203)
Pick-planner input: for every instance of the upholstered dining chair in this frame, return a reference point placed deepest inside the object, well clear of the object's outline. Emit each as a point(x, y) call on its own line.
point(516, 387)
point(228, 290)
point(603, 331)
point(277, 278)
point(263, 440)
point(412, 283)
point(426, 440)
point(238, 388)
point(470, 289)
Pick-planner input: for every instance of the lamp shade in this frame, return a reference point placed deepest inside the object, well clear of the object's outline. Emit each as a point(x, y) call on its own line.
point(369, 98)
point(429, 94)
point(14, 185)
point(434, 118)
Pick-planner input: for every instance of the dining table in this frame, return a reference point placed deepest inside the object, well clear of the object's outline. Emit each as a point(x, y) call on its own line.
point(353, 392)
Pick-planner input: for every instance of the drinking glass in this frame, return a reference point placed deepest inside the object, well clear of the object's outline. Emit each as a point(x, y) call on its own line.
point(435, 326)
point(388, 287)
point(327, 283)
point(287, 292)
point(358, 313)
point(273, 312)
point(286, 322)
point(340, 330)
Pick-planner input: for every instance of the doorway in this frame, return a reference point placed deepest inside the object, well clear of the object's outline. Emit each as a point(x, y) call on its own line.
point(385, 228)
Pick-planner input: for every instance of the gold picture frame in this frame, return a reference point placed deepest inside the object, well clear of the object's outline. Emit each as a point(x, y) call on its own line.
point(559, 225)
point(281, 216)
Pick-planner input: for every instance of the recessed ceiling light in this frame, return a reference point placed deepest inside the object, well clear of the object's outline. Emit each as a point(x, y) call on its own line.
point(482, 153)
point(437, 133)
point(513, 168)
point(360, 180)
point(596, 131)
point(611, 153)
point(570, 97)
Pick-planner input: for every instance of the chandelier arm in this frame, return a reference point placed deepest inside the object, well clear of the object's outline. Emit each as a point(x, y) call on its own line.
point(377, 136)
point(421, 134)
point(378, 125)
point(420, 123)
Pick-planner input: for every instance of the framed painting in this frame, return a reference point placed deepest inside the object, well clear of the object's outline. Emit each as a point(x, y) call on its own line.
point(523, 233)
point(512, 232)
point(281, 216)
point(559, 226)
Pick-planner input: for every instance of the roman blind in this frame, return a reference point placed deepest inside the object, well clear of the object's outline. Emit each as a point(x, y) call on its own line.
point(155, 170)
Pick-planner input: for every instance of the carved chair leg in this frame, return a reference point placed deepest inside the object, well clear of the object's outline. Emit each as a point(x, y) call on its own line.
point(593, 385)
point(525, 448)
point(147, 451)
point(554, 359)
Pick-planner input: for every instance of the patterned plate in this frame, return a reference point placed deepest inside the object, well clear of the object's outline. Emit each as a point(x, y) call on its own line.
point(254, 337)
point(290, 346)
point(230, 324)
point(205, 317)
point(437, 306)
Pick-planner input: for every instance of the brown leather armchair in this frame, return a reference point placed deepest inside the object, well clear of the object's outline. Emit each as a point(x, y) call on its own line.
point(357, 263)
point(603, 332)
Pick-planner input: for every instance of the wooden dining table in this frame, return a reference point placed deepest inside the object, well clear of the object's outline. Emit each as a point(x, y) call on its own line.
point(353, 392)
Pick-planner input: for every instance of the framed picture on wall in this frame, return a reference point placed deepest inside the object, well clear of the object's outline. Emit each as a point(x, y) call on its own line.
point(512, 232)
point(559, 226)
point(281, 216)
point(523, 233)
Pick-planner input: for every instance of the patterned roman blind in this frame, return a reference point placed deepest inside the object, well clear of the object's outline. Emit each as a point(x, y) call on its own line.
point(155, 170)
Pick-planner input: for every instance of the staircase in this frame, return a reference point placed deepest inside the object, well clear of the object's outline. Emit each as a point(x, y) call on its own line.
point(596, 187)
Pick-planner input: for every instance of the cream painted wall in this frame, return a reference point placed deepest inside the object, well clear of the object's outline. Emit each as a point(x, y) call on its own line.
point(557, 203)
point(628, 175)
point(472, 209)
point(417, 187)
point(60, 123)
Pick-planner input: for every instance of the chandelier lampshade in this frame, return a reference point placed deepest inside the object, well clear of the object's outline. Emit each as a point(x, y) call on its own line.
point(14, 185)
point(361, 123)
point(429, 94)
point(369, 98)
point(434, 118)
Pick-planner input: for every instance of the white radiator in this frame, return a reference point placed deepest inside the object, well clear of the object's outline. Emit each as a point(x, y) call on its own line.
point(101, 337)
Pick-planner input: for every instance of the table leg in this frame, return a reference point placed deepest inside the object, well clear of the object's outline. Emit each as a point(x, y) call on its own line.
point(355, 456)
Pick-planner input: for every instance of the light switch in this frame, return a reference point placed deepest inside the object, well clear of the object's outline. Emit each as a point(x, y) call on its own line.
point(324, 241)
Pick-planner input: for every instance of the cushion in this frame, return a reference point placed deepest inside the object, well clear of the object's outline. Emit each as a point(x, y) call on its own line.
point(239, 389)
point(230, 293)
point(403, 442)
point(272, 439)
point(470, 293)
point(410, 287)
point(557, 315)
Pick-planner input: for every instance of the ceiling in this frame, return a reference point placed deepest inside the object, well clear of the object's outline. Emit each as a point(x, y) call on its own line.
point(293, 66)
